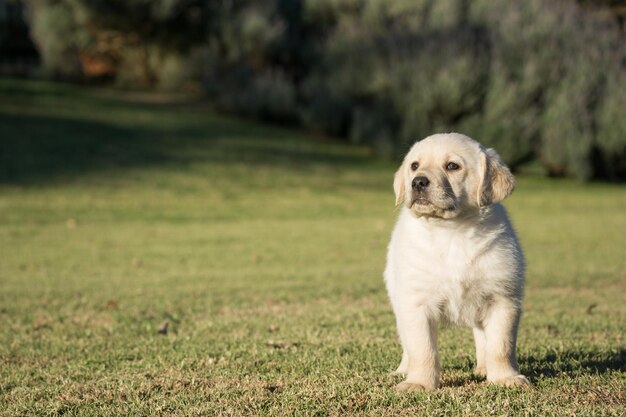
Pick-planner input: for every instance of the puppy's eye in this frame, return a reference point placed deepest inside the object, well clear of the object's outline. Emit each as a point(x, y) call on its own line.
point(452, 166)
point(414, 166)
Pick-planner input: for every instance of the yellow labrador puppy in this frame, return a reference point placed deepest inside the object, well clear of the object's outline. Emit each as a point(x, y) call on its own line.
point(454, 257)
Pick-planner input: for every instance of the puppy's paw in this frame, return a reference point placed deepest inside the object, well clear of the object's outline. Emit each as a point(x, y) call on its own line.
point(405, 386)
point(513, 381)
point(480, 370)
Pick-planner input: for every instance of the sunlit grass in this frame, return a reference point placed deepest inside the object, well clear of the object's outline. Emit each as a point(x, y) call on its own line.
point(263, 249)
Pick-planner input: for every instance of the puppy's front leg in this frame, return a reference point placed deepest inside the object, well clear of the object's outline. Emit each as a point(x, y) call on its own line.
point(480, 342)
point(501, 339)
point(419, 339)
point(404, 364)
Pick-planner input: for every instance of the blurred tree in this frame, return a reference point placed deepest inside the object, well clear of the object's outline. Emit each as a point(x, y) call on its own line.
point(58, 36)
point(117, 37)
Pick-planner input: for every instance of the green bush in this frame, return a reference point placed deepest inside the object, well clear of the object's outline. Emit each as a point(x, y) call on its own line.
point(325, 110)
point(59, 38)
point(611, 130)
point(508, 122)
point(526, 78)
point(270, 96)
point(567, 135)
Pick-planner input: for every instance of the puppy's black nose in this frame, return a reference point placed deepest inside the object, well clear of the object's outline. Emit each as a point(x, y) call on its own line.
point(420, 183)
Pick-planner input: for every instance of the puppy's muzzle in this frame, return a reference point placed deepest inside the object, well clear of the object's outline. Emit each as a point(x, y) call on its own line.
point(420, 184)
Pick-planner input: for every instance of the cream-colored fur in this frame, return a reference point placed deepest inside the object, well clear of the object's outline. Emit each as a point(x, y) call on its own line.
point(454, 257)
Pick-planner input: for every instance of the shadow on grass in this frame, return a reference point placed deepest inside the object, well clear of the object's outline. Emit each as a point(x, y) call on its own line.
point(37, 148)
point(462, 381)
point(550, 365)
point(568, 362)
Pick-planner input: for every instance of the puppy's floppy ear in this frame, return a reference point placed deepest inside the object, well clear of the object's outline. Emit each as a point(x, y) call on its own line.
point(497, 182)
point(398, 185)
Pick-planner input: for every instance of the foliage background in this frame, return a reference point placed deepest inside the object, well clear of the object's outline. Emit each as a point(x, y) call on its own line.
point(541, 81)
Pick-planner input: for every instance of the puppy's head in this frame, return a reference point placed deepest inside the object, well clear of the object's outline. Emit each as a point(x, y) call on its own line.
point(445, 175)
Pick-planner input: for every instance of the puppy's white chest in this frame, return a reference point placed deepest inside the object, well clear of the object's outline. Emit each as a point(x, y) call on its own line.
point(455, 270)
point(448, 257)
point(447, 270)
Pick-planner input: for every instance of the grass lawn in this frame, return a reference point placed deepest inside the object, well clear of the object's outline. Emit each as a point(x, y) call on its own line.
point(262, 249)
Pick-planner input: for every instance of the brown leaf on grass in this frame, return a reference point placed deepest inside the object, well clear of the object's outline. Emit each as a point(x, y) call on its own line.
point(164, 327)
point(282, 345)
point(589, 309)
point(273, 388)
point(41, 323)
point(553, 330)
point(213, 360)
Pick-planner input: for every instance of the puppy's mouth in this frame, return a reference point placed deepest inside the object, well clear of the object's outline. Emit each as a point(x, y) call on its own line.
point(422, 206)
point(424, 202)
point(421, 201)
